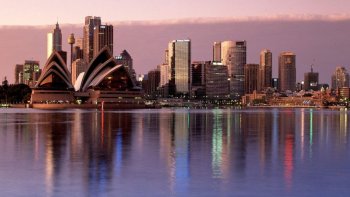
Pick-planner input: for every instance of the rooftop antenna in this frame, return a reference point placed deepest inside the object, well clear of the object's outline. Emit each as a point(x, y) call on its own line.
point(312, 65)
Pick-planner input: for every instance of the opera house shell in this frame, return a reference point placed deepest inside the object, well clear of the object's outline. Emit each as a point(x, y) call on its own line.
point(103, 82)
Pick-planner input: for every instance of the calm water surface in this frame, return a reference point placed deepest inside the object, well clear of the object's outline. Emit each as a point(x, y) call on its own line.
point(175, 152)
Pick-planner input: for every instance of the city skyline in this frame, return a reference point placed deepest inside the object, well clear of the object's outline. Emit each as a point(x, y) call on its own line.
point(305, 50)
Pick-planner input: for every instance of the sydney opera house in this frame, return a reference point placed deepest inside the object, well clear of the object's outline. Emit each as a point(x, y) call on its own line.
point(104, 83)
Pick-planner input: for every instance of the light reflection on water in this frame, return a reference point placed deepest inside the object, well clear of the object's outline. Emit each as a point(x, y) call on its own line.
point(176, 152)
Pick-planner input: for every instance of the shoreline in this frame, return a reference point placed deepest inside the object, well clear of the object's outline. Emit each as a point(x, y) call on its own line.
point(143, 106)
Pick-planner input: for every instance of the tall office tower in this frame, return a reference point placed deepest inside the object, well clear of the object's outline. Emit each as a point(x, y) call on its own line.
point(180, 66)
point(197, 79)
point(31, 72)
point(166, 56)
point(265, 70)
point(19, 73)
point(234, 56)
point(88, 38)
point(311, 80)
point(251, 78)
point(198, 72)
point(217, 52)
point(216, 84)
point(164, 70)
point(103, 36)
point(151, 84)
point(78, 49)
point(340, 78)
point(78, 66)
point(287, 71)
point(54, 40)
point(125, 59)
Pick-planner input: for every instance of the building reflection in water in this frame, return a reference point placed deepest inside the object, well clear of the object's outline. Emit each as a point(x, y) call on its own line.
point(217, 144)
point(287, 140)
point(180, 142)
point(343, 125)
point(98, 148)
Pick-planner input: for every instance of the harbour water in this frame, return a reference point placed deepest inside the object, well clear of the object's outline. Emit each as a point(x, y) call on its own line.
point(175, 152)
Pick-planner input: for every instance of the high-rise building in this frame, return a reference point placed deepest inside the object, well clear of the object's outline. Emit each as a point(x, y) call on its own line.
point(78, 49)
point(251, 78)
point(54, 40)
point(287, 71)
point(265, 70)
point(126, 60)
point(234, 56)
point(103, 36)
point(88, 38)
point(19, 73)
point(164, 70)
point(216, 84)
point(180, 64)
point(340, 78)
point(151, 84)
point(197, 79)
point(217, 52)
point(31, 72)
point(311, 80)
point(78, 66)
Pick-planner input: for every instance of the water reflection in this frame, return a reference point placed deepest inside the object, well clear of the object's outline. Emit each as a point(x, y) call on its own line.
point(175, 151)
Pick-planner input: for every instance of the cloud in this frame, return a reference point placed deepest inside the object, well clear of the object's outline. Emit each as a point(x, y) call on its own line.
point(216, 20)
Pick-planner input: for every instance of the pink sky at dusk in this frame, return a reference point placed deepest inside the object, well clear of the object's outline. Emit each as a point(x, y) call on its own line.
point(42, 12)
point(316, 30)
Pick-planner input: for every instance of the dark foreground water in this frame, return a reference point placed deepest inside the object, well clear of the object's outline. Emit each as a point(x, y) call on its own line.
point(175, 152)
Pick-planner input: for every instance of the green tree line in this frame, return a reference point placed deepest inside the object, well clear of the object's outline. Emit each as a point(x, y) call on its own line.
point(18, 93)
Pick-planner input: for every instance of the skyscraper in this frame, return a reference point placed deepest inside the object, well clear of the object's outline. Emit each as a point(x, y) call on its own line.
point(265, 70)
point(31, 72)
point(88, 38)
point(217, 52)
point(103, 36)
point(251, 78)
point(287, 71)
point(197, 79)
point(311, 80)
point(78, 49)
point(234, 56)
point(19, 73)
point(54, 40)
point(126, 60)
point(340, 78)
point(78, 66)
point(180, 65)
point(216, 84)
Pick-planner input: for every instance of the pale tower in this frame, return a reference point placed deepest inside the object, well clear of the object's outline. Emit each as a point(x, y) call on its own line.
point(71, 42)
point(54, 40)
point(180, 67)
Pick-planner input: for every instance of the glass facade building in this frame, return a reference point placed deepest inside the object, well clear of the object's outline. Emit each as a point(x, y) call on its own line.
point(88, 36)
point(265, 70)
point(180, 64)
point(340, 78)
point(287, 71)
point(234, 56)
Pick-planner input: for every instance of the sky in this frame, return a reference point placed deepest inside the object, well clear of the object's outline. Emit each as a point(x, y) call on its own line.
point(316, 30)
point(43, 12)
